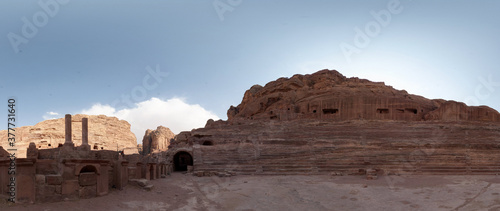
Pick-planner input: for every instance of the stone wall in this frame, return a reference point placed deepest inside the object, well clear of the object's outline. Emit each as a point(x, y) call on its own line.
point(69, 172)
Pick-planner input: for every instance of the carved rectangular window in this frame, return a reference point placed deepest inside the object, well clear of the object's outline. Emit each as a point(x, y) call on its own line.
point(330, 111)
point(383, 110)
point(412, 110)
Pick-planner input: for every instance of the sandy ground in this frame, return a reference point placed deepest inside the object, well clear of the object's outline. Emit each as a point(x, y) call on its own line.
point(186, 192)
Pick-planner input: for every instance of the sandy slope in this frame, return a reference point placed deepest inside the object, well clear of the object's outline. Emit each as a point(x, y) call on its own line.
point(186, 192)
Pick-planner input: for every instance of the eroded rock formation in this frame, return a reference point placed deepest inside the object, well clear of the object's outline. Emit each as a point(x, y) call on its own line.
point(327, 94)
point(327, 123)
point(104, 133)
point(156, 140)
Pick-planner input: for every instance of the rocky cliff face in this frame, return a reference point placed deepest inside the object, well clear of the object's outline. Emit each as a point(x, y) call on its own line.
point(327, 94)
point(156, 140)
point(105, 132)
point(327, 123)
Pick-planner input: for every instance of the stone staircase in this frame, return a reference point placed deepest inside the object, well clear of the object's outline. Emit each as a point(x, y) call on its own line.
point(327, 149)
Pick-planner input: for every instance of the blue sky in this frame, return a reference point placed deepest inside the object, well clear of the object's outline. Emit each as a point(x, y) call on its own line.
point(181, 62)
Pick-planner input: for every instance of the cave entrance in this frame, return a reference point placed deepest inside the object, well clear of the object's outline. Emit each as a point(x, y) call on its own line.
point(182, 160)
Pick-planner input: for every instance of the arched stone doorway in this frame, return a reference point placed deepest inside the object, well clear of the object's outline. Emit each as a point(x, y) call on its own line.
point(182, 160)
point(87, 180)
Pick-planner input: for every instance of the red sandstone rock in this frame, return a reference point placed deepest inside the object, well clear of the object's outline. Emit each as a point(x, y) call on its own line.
point(326, 123)
point(156, 140)
point(327, 94)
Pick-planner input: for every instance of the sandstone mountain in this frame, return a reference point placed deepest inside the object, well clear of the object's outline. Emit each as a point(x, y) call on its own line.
point(105, 132)
point(327, 94)
point(156, 140)
point(327, 123)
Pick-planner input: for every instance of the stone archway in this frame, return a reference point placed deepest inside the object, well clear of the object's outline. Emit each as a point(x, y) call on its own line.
point(87, 179)
point(182, 160)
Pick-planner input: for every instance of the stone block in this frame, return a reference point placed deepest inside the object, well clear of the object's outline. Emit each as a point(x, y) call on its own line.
point(70, 187)
point(25, 178)
point(40, 179)
point(43, 190)
point(139, 182)
point(44, 193)
point(87, 179)
point(58, 189)
point(149, 187)
point(54, 179)
point(48, 193)
point(69, 173)
point(86, 192)
point(46, 167)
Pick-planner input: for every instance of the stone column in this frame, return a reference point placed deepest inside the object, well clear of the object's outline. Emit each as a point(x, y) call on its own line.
point(68, 141)
point(85, 131)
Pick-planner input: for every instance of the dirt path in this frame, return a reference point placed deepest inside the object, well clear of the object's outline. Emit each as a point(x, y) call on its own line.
point(185, 192)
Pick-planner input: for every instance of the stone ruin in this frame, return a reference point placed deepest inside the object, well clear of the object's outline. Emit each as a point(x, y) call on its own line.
point(323, 123)
point(104, 133)
point(74, 172)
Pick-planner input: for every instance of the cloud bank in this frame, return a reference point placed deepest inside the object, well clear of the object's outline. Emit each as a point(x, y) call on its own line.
point(173, 113)
point(51, 115)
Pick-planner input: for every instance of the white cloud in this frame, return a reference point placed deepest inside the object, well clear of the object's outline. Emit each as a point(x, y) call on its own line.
point(51, 115)
point(173, 113)
point(97, 109)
